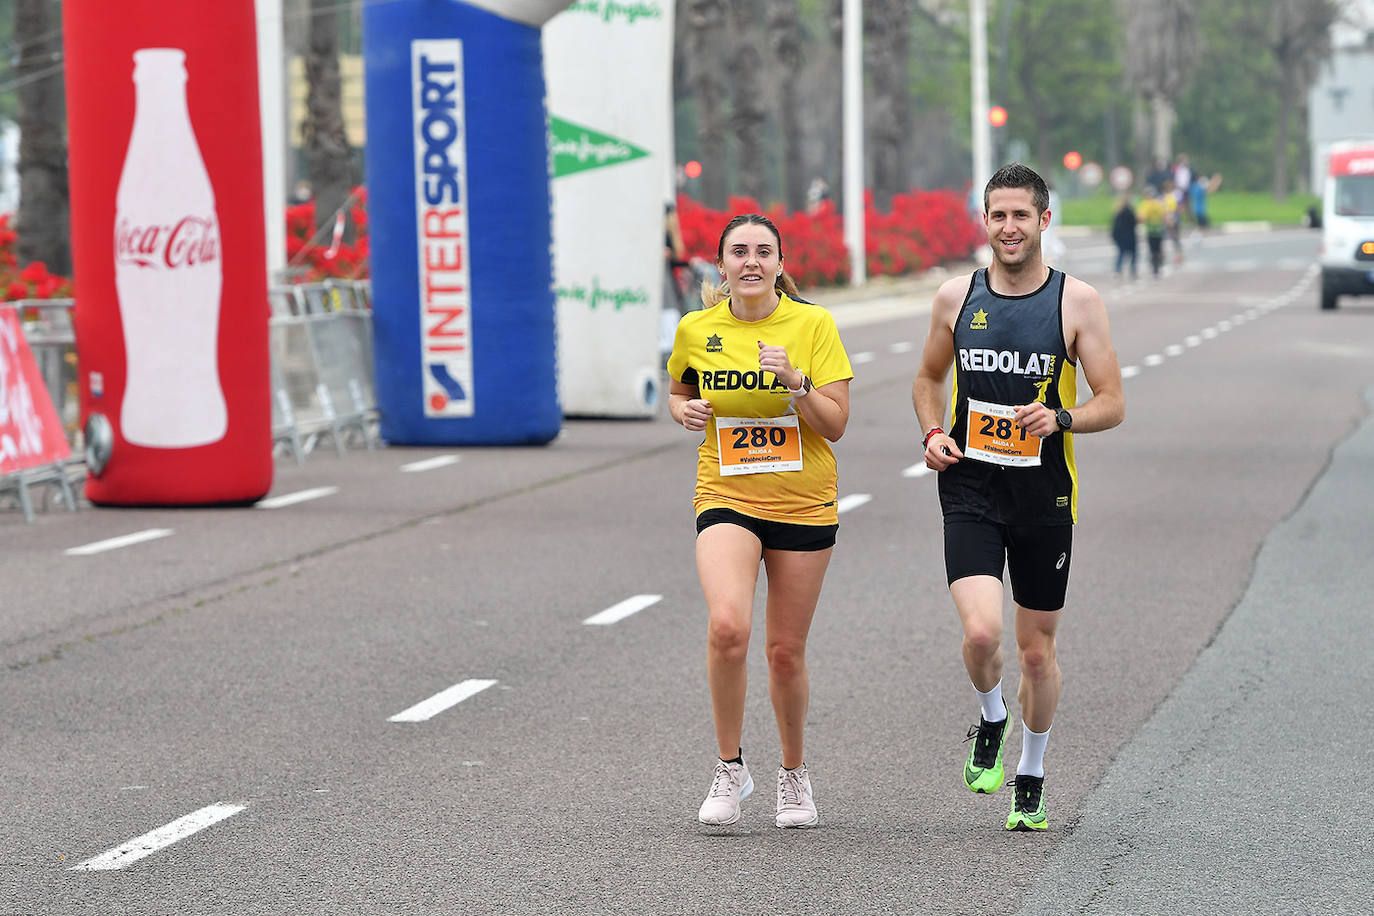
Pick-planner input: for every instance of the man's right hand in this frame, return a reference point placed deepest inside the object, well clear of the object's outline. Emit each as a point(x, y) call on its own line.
point(941, 452)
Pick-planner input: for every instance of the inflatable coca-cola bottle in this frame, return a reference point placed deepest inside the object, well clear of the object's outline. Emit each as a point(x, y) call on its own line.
point(168, 250)
point(168, 268)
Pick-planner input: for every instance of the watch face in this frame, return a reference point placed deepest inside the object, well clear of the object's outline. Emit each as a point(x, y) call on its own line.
point(1064, 418)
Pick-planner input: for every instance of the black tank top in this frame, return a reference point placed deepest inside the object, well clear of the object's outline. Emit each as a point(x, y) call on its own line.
point(1008, 352)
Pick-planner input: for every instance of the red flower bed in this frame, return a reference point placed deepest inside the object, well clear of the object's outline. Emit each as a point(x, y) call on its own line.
point(923, 229)
point(323, 259)
point(34, 281)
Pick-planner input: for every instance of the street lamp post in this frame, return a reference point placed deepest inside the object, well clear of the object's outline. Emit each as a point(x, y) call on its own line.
point(854, 140)
point(978, 53)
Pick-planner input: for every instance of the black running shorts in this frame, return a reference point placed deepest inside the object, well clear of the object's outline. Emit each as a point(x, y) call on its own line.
point(773, 535)
point(1037, 557)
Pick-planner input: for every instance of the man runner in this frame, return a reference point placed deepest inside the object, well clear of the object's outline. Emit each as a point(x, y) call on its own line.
point(1016, 334)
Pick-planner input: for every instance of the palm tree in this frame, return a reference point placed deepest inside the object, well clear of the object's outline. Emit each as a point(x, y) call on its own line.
point(785, 45)
point(1161, 48)
point(749, 94)
point(887, 52)
point(1299, 35)
point(44, 221)
point(329, 160)
point(704, 45)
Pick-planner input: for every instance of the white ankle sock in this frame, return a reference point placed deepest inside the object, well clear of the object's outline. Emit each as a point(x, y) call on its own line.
point(1032, 752)
point(994, 709)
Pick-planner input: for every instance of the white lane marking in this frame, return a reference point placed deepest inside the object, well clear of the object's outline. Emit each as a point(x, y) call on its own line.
point(429, 464)
point(1130, 371)
point(902, 346)
point(916, 470)
point(852, 501)
point(124, 540)
point(1173, 350)
point(858, 359)
point(427, 709)
point(1193, 340)
point(1154, 359)
point(618, 612)
point(300, 496)
point(162, 837)
point(1223, 325)
point(1208, 333)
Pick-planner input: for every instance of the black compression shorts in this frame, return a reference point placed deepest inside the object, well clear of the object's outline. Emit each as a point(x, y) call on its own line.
point(773, 535)
point(1037, 556)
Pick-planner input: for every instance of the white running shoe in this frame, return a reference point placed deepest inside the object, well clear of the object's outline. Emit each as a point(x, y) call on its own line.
point(730, 785)
point(796, 807)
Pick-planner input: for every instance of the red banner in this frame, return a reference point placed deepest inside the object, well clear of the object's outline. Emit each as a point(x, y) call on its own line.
point(30, 432)
point(168, 242)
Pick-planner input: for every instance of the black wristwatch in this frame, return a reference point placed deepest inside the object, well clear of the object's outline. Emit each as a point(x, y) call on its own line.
point(1064, 419)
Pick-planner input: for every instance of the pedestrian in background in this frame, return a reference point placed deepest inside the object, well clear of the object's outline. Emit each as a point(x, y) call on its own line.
point(1202, 186)
point(1124, 235)
point(764, 375)
point(1152, 215)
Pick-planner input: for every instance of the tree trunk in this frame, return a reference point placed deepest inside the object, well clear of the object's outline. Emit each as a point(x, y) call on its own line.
point(1162, 127)
point(749, 95)
point(705, 31)
point(888, 46)
point(44, 220)
point(329, 160)
point(785, 37)
point(1281, 135)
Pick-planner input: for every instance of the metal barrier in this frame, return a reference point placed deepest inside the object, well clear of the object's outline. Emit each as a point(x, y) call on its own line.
point(321, 340)
point(47, 327)
point(320, 336)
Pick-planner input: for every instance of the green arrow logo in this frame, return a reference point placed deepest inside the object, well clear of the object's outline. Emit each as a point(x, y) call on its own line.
point(577, 148)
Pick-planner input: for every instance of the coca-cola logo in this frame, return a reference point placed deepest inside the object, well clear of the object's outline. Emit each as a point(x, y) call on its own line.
point(186, 243)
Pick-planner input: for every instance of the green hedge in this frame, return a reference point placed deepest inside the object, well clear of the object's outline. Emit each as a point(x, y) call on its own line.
point(1223, 207)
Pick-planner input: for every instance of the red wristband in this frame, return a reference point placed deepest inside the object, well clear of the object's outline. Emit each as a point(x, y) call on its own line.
point(933, 430)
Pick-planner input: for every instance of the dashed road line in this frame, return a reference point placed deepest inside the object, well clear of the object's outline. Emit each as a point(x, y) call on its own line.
point(917, 470)
point(140, 847)
point(300, 496)
point(618, 612)
point(428, 709)
point(124, 540)
point(852, 501)
point(902, 346)
point(858, 359)
point(429, 464)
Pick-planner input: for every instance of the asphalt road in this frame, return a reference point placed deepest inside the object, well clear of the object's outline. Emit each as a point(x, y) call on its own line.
point(244, 695)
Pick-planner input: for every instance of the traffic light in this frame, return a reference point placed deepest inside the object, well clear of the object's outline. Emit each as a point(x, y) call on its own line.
point(1072, 160)
point(997, 116)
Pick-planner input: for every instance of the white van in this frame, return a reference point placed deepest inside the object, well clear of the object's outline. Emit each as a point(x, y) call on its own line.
point(1347, 251)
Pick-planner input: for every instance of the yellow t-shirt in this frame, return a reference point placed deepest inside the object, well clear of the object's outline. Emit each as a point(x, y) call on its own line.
point(719, 354)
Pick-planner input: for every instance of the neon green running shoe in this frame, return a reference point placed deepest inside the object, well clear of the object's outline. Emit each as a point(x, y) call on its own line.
point(983, 769)
point(1028, 804)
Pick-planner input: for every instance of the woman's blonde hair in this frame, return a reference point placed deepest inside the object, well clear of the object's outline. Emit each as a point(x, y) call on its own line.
point(712, 293)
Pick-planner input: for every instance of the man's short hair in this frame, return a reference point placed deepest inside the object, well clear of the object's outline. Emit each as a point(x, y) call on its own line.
point(1016, 175)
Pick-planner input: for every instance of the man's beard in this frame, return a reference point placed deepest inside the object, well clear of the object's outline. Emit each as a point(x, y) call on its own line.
point(1026, 252)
